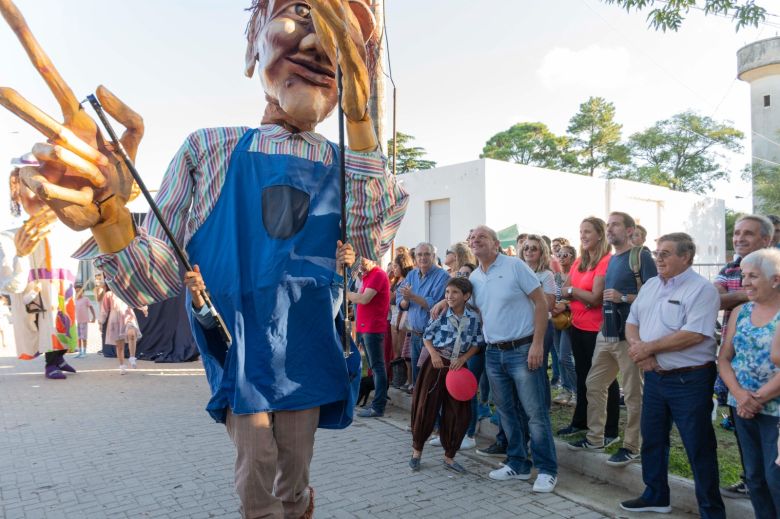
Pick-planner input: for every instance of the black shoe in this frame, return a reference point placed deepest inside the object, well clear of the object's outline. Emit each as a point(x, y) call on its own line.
point(585, 445)
point(566, 431)
point(622, 458)
point(414, 464)
point(496, 449)
point(738, 490)
point(640, 505)
point(610, 440)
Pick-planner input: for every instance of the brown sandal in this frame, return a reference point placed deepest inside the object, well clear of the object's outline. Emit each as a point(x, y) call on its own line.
point(309, 513)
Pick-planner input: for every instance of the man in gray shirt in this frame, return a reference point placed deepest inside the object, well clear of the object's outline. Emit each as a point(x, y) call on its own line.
point(671, 330)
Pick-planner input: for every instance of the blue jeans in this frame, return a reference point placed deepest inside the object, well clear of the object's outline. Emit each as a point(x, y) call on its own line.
point(549, 349)
point(374, 344)
point(562, 346)
point(417, 346)
point(758, 439)
point(510, 381)
point(684, 399)
point(476, 365)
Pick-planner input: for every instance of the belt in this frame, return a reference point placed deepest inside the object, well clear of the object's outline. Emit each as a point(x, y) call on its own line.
point(418, 334)
point(685, 369)
point(510, 345)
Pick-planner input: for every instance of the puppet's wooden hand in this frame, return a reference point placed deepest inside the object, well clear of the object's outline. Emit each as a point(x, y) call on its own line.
point(79, 177)
point(339, 32)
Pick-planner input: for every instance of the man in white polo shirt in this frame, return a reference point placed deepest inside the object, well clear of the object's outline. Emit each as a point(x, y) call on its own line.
point(514, 315)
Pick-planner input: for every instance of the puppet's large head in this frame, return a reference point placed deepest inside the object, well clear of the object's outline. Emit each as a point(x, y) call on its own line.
point(295, 71)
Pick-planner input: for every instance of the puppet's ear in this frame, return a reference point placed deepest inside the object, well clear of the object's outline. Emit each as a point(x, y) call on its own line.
point(250, 59)
point(364, 17)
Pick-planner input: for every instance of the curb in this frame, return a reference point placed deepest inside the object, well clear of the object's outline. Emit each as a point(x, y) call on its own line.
point(592, 464)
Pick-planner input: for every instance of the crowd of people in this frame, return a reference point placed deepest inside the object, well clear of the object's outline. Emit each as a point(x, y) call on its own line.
point(617, 324)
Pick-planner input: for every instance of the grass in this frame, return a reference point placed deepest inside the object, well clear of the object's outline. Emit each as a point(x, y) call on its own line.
point(728, 452)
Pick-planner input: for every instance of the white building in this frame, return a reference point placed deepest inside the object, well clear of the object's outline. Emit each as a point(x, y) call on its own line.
point(446, 202)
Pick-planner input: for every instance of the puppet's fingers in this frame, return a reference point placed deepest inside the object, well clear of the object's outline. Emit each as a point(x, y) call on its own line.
point(53, 130)
point(77, 166)
point(62, 92)
point(49, 192)
point(326, 36)
point(126, 116)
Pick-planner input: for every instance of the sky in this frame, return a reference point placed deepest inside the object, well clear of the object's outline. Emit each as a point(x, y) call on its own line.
point(464, 70)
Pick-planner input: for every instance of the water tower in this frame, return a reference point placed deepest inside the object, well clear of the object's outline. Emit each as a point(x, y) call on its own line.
point(759, 64)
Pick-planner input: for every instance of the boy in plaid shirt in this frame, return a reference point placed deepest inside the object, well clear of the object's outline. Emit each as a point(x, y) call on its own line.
point(450, 340)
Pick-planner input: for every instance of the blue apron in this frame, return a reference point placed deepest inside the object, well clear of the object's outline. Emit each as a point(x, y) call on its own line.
point(266, 253)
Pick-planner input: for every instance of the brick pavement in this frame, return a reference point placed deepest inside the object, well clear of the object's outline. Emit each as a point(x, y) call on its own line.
point(103, 445)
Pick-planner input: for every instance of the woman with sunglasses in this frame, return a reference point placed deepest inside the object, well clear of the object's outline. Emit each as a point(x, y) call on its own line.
point(462, 256)
point(562, 338)
point(585, 288)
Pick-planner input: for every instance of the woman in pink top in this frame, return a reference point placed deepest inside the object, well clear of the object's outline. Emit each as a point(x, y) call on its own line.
point(585, 288)
point(122, 326)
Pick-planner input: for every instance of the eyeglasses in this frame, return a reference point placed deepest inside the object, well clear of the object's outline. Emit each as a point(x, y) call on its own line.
point(563, 255)
point(661, 254)
point(462, 274)
point(529, 248)
point(424, 254)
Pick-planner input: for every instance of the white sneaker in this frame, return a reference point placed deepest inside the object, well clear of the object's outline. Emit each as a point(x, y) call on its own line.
point(505, 474)
point(435, 441)
point(468, 443)
point(122, 369)
point(563, 397)
point(133, 362)
point(545, 483)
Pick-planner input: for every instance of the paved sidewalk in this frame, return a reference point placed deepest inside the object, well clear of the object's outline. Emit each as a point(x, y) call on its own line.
point(104, 445)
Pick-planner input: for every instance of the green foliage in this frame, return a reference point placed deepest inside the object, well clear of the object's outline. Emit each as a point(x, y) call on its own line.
point(595, 138)
point(681, 153)
point(670, 14)
point(731, 219)
point(527, 143)
point(766, 187)
point(409, 158)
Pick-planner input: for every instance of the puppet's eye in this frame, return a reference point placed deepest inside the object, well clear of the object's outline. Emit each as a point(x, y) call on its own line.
point(302, 10)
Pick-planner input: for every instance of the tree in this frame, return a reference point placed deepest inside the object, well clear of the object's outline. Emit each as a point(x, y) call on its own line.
point(766, 187)
point(532, 144)
point(670, 14)
point(681, 153)
point(409, 158)
point(595, 137)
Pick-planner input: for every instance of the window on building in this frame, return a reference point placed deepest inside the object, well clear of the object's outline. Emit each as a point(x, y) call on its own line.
point(767, 101)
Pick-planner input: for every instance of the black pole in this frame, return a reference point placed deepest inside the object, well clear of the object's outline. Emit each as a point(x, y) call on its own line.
point(221, 326)
point(343, 180)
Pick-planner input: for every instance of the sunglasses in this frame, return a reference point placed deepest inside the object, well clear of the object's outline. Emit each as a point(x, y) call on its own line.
point(563, 255)
point(462, 274)
point(533, 248)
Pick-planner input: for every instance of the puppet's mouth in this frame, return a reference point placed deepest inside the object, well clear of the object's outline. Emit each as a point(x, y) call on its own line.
point(313, 72)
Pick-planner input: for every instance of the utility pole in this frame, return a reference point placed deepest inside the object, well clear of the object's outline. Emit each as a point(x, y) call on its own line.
point(376, 104)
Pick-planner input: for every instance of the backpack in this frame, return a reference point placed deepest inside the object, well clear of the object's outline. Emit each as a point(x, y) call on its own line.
point(635, 264)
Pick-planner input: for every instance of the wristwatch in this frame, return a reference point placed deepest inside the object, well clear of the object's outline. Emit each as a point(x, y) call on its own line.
point(569, 291)
point(624, 298)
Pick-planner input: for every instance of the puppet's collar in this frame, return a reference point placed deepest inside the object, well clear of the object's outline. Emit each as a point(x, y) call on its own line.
point(276, 132)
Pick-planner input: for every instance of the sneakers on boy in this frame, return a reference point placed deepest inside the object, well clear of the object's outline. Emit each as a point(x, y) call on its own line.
point(467, 443)
point(623, 457)
point(496, 449)
point(505, 473)
point(545, 483)
point(584, 444)
point(640, 505)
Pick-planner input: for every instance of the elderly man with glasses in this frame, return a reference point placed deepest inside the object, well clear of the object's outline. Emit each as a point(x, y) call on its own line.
point(671, 332)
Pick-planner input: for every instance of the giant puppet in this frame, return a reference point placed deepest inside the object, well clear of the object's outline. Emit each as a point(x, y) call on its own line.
point(38, 273)
point(258, 211)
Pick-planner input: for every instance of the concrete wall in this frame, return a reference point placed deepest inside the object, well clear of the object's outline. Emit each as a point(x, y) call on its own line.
point(554, 203)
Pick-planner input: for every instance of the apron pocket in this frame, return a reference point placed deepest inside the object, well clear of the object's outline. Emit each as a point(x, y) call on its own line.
point(285, 210)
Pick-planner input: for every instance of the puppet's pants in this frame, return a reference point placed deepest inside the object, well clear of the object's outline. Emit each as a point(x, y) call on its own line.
point(430, 396)
point(274, 451)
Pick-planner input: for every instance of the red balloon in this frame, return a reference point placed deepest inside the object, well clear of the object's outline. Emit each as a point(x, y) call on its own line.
point(461, 384)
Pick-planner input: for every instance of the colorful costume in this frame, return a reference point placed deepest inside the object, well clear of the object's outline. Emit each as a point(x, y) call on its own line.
point(42, 295)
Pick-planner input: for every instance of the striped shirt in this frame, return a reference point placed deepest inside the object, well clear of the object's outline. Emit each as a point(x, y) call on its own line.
point(730, 278)
point(147, 271)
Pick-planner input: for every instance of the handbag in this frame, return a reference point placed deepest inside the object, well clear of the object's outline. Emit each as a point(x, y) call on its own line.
point(563, 319)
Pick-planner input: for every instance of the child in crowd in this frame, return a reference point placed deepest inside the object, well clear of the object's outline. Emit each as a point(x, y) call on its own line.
point(85, 314)
point(122, 326)
point(450, 340)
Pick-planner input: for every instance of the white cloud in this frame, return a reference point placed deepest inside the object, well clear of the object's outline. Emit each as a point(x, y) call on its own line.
point(593, 67)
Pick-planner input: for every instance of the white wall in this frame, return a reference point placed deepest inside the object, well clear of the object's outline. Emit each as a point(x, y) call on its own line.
point(463, 184)
point(544, 201)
